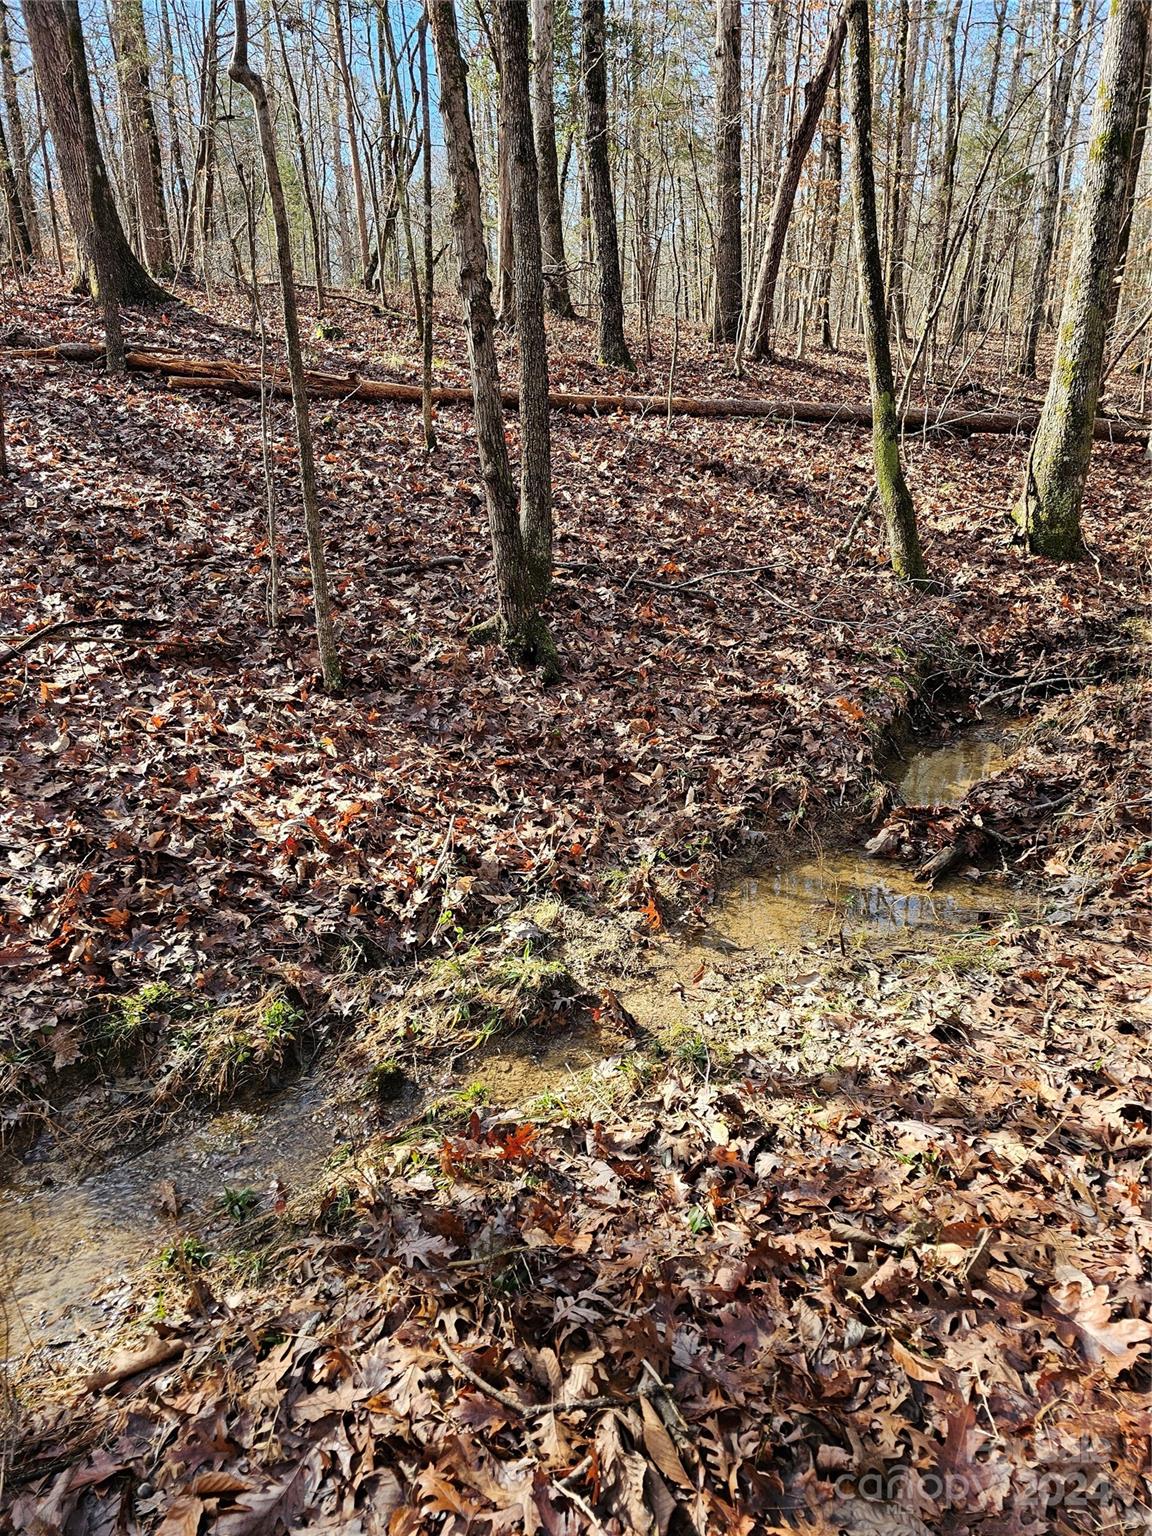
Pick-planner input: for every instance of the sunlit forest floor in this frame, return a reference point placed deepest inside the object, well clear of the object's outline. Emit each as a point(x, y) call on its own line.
point(841, 1228)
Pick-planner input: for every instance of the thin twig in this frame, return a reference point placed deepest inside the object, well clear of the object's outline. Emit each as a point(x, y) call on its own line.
point(532, 1411)
point(60, 626)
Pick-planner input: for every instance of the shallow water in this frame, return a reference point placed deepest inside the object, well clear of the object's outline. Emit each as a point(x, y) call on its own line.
point(68, 1248)
point(943, 774)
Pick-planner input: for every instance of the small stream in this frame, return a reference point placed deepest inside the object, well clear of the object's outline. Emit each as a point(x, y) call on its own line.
point(70, 1248)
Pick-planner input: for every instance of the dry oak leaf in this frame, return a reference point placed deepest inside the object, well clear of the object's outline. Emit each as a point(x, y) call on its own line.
point(183, 1517)
point(1083, 1317)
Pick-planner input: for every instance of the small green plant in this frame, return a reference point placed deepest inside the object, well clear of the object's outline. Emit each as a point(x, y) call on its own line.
point(277, 1021)
point(543, 1104)
point(699, 1220)
point(129, 1016)
point(691, 1048)
point(328, 330)
point(239, 1203)
point(474, 1095)
point(187, 1253)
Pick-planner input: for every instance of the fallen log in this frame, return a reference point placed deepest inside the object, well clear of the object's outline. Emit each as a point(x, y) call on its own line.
point(240, 379)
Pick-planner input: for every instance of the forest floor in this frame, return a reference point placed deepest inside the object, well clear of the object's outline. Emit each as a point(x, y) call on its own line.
point(846, 1237)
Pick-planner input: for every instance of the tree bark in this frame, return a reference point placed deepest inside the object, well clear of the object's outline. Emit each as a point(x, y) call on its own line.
point(613, 346)
point(244, 75)
point(1055, 131)
point(1049, 508)
point(57, 43)
point(728, 294)
point(17, 143)
point(759, 330)
point(145, 166)
point(352, 130)
point(898, 187)
point(518, 624)
point(19, 235)
point(556, 291)
point(1130, 184)
point(535, 437)
point(426, 234)
point(895, 500)
point(831, 182)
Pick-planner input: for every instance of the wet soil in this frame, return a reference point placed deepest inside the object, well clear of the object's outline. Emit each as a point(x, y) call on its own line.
point(73, 1248)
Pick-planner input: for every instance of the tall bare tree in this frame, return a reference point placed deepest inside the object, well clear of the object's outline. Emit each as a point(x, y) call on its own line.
point(1064, 47)
point(535, 438)
point(728, 287)
point(518, 624)
point(142, 141)
point(244, 75)
point(892, 489)
point(594, 65)
point(557, 293)
point(17, 143)
point(56, 38)
point(1049, 508)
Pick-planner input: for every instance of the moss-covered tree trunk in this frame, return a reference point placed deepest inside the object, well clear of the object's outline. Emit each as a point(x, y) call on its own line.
point(1049, 507)
point(892, 490)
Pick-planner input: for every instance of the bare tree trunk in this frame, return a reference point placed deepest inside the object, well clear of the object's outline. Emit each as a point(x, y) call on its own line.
point(831, 182)
point(556, 292)
point(728, 293)
point(17, 142)
point(199, 221)
point(305, 163)
point(429, 259)
point(613, 346)
point(145, 167)
point(176, 154)
point(1055, 130)
point(1130, 184)
point(353, 135)
point(759, 327)
point(505, 289)
point(243, 74)
point(19, 238)
point(899, 513)
point(535, 436)
point(57, 43)
point(518, 624)
point(1049, 508)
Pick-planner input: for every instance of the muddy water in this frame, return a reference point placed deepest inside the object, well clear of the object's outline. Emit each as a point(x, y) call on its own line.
point(68, 1249)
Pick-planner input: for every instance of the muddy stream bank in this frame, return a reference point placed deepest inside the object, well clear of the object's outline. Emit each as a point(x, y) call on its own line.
point(70, 1248)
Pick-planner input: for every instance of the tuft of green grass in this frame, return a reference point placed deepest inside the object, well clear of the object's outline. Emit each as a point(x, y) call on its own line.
point(239, 1203)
